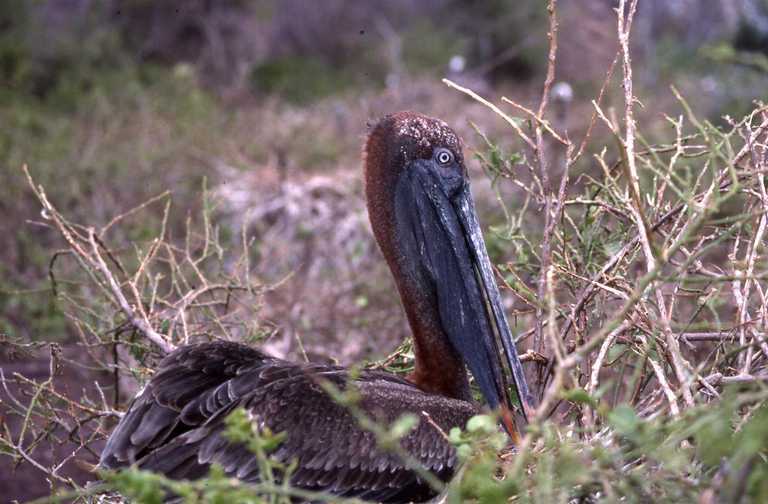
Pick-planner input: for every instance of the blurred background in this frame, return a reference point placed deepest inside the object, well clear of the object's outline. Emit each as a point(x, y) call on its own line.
point(266, 105)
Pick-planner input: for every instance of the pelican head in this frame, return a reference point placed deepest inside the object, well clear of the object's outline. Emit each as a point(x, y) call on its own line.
point(423, 216)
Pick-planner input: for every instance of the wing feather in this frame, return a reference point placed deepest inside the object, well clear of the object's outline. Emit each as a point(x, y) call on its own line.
point(175, 425)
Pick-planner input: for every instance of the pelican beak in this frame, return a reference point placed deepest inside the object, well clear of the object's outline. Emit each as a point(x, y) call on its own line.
point(437, 223)
point(502, 341)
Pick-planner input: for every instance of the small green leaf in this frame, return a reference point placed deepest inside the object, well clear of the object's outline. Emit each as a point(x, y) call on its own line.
point(481, 423)
point(714, 439)
point(403, 425)
point(579, 396)
point(624, 419)
point(463, 451)
point(753, 438)
point(454, 435)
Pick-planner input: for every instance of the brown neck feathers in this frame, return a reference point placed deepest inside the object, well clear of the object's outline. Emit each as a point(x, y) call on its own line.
point(396, 140)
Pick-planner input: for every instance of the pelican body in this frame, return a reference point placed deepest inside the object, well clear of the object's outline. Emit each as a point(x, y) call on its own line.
point(423, 218)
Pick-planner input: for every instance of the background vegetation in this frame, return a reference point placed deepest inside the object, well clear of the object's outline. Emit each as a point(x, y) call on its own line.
point(205, 157)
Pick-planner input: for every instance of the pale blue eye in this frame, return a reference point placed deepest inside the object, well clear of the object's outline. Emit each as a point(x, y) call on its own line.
point(444, 157)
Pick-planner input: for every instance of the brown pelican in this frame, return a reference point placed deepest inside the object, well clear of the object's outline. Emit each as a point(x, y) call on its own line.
point(423, 218)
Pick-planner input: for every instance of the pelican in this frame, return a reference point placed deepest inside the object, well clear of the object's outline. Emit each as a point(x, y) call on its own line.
point(423, 218)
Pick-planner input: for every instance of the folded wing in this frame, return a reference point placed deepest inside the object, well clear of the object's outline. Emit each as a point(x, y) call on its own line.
point(174, 426)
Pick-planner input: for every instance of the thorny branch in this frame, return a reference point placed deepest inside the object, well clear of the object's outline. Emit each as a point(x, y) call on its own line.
point(118, 302)
point(650, 320)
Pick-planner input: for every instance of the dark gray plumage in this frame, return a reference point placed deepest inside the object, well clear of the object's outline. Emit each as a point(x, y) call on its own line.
point(174, 426)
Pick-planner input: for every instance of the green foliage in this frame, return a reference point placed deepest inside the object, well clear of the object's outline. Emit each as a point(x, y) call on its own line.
point(726, 53)
point(477, 447)
point(625, 421)
point(724, 80)
point(144, 487)
point(87, 57)
point(496, 162)
point(579, 396)
point(427, 48)
point(506, 241)
point(668, 459)
point(240, 429)
point(299, 79)
point(403, 426)
point(93, 126)
point(498, 26)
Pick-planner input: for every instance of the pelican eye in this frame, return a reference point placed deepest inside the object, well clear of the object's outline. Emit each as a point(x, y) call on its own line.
point(444, 157)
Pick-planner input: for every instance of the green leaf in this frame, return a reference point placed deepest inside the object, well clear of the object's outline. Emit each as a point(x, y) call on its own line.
point(753, 438)
point(579, 396)
point(141, 486)
point(624, 420)
point(481, 423)
point(463, 451)
point(403, 425)
point(714, 439)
